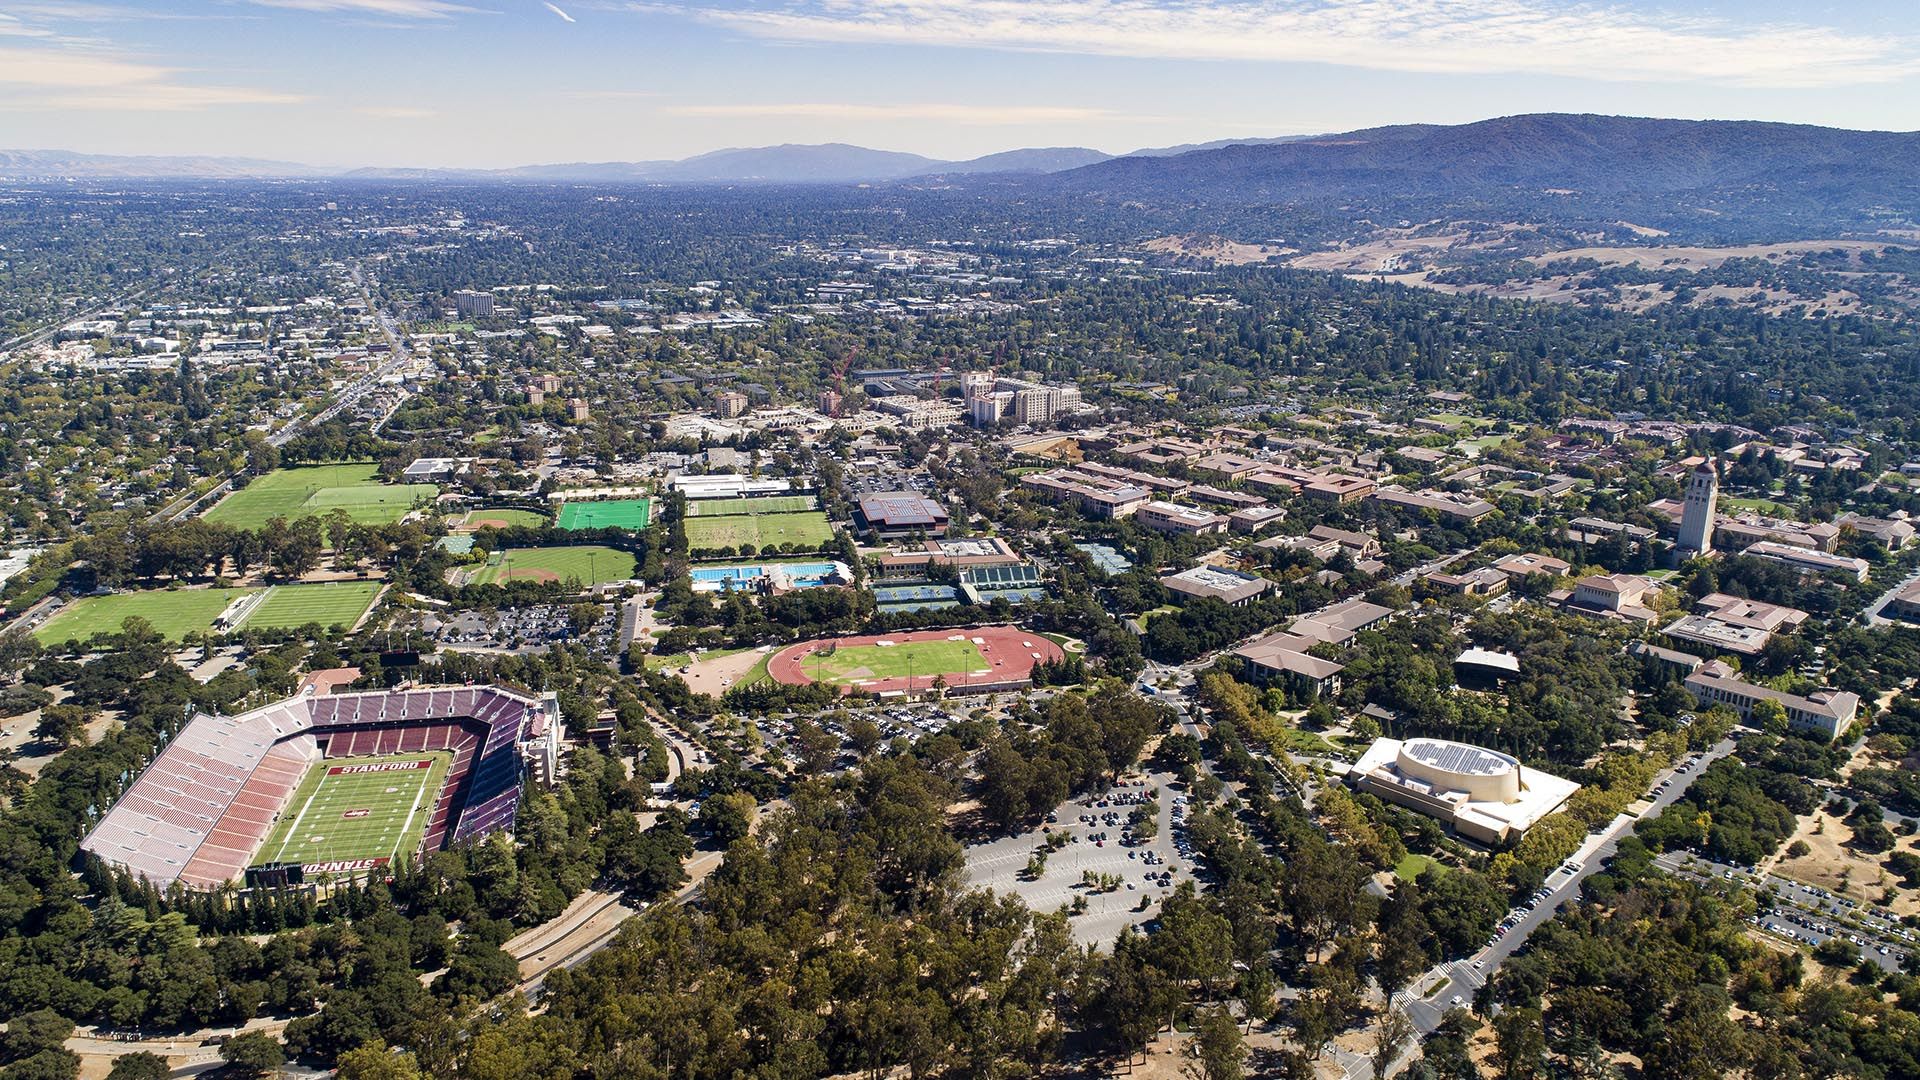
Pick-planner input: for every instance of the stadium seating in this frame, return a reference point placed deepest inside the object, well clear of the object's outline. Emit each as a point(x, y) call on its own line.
point(203, 807)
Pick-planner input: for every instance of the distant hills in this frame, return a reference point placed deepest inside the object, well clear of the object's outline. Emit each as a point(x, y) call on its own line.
point(823, 163)
point(1722, 178)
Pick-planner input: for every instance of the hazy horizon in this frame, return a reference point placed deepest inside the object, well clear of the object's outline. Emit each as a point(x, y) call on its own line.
point(474, 84)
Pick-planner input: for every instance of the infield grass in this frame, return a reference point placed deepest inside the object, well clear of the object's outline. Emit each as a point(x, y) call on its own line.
point(920, 659)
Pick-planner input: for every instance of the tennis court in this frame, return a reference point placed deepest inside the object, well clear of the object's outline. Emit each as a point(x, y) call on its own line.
point(769, 504)
point(358, 812)
point(607, 514)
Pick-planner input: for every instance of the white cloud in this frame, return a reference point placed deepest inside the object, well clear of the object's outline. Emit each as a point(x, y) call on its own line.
point(1541, 37)
point(943, 113)
point(79, 78)
point(404, 9)
point(556, 10)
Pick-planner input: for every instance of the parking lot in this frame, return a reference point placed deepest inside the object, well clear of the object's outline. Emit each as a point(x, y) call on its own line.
point(523, 630)
point(1807, 914)
point(1097, 844)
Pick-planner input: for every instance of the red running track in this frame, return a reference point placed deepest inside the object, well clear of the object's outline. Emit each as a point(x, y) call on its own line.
point(1011, 654)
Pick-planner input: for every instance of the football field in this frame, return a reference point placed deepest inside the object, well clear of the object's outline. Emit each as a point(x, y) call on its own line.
point(289, 607)
point(590, 564)
point(358, 812)
point(606, 514)
point(175, 613)
point(315, 491)
point(765, 504)
point(808, 528)
point(920, 659)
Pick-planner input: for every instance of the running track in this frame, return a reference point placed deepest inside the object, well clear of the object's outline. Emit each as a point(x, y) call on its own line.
point(1010, 651)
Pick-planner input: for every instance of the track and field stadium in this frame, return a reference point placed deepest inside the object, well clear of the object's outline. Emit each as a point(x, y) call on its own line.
point(977, 660)
point(316, 786)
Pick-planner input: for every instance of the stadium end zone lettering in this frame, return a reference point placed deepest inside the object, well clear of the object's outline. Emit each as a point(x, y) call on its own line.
point(343, 866)
point(378, 766)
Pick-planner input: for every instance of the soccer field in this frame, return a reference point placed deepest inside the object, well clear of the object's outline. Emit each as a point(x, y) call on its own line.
point(349, 810)
point(175, 613)
point(591, 564)
point(770, 504)
point(315, 491)
point(809, 529)
point(606, 514)
point(918, 658)
point(288, 607)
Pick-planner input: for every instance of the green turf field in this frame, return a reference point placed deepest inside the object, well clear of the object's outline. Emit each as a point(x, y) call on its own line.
point(341, 816)
point(316, 490)
point(499, 518)
point(917, 658)
point(175, 613)
point(809, 529)
point(767, 504)
point(606, 514)
point(590, 563)
point(289, 607)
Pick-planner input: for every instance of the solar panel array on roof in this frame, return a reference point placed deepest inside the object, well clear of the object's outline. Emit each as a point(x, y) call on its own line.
point(1459, 758)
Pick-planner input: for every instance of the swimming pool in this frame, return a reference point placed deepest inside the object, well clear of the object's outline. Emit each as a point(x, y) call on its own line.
point(789, 575)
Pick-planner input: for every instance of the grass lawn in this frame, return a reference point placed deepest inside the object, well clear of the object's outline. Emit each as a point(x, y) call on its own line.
point(175, 613)
point(766, 504)
point(807, 528)
point(1764, 506)
point(591, 564)
point(606, 514)
point(918, 658)
point(501, 519)
point(343, 811)
point(1413, 865)
point(315, 491)
point(289, 607)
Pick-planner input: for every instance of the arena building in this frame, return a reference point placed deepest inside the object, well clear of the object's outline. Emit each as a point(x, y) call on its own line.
point(1484, 795)
point(202, 810)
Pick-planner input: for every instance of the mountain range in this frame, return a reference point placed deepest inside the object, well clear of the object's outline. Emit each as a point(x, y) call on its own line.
point(1536, 167)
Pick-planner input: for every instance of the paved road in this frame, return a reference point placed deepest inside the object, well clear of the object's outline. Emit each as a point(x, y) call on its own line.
point(1464, 977)
point(1872, 615)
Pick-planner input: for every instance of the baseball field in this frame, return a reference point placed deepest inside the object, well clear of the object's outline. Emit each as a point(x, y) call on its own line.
point(500, 518)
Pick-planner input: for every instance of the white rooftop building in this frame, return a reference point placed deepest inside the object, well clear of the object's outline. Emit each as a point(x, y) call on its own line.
point(1483, 794)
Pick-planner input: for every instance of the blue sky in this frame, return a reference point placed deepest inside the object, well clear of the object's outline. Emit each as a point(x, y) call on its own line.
point(504, 82)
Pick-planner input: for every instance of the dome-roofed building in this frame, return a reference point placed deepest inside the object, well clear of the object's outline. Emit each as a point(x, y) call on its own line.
point(1483, 794)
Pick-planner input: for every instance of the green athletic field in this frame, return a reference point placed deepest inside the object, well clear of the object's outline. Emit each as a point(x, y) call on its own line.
point(501, 518)
point(766, 504)
point(917, 658)
point(289, 607)
point(175, 613)
point(342, 816)
point(590, 563)
point(315, 491)
point(809, 529)
point(607, 514)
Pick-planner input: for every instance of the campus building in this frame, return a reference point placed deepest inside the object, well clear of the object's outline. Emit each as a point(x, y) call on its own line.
point(1696, 516)
point(1481, 794)
point(1826, 712)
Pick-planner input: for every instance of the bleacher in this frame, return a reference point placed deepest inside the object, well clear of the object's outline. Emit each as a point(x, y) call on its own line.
point(206, 803)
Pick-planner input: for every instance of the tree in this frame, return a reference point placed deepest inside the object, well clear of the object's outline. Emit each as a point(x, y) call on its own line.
point(375, 1062)
point(728, 818)
point(139, 1065)
point(61, 725)
point(253, 1052)
point(1217, 1050)
point(1393, 1036)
